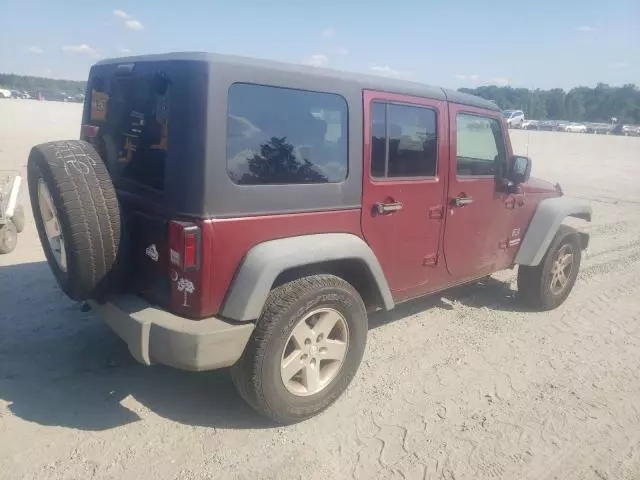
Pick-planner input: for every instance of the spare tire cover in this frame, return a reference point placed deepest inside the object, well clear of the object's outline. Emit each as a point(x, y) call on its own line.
point(76, 213)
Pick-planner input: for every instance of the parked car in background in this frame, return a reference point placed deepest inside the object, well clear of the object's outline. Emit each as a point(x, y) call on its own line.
point(530, 124)
point(599, 128)
point(626, 130)
point(20, 94)
point(576, 128)
point(514, 118)
point(53, 96)
point(548, 125)
point(631, 130)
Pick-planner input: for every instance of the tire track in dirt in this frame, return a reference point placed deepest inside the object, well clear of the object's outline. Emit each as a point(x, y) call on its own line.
point(398, 442)
point(582, 460)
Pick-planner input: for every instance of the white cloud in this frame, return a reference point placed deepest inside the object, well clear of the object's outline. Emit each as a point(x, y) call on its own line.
point(134, 24)
point(473, 77)
point(317, 60)
point(121, 14)
point(501, 81)
point(129, 22)
point(82, 48)
point(329, 32)
point(124, 50)
point(585, 28)
point(35, 50)
point(342, 51)
point(387, 71)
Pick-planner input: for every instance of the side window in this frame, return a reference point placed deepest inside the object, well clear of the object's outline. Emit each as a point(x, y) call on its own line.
point(480, 149)
point(283, 136)
point(403, 141)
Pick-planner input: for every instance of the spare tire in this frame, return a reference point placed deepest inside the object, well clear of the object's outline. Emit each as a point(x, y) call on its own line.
point(77, 216)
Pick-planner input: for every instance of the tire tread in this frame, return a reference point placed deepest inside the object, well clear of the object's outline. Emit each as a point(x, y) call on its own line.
point(88, 211)
point(247, 373)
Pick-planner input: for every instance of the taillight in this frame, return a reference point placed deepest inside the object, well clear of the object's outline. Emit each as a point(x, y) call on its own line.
point(184, 245)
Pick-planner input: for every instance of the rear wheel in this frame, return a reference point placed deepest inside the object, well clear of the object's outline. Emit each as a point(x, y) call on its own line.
point(546, 286)
point(305, 350)
point(76, 214)
point(8, 237)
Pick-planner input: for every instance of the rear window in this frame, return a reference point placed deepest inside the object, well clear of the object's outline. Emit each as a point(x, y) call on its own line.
point(284, 136)
point(132, 111)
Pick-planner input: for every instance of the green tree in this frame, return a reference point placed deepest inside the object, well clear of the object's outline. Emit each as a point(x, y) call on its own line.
point(35, 84)
point(598, 104)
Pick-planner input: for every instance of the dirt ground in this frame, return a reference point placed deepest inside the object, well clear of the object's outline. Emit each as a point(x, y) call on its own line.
point(463, 385)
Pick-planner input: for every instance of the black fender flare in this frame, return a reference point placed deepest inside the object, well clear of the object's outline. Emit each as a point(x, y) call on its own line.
point(266, 261)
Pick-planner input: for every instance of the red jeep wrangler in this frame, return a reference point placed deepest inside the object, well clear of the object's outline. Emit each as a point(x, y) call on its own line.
point(228, 212)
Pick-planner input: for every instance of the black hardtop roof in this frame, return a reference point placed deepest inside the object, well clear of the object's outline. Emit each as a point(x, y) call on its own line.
point(371, 82)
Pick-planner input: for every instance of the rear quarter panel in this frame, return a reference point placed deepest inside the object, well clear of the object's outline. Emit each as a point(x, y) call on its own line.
point(231, 239)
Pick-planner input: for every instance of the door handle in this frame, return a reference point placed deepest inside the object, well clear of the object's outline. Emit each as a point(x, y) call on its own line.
point(461, 201)
point(386, 208)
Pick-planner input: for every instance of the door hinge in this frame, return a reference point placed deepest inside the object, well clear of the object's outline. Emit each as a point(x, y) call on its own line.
point(436, 212)
point(430, 260)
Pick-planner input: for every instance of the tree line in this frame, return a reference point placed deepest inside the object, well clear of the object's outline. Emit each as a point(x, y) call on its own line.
point(38, 84)
point(580, 104)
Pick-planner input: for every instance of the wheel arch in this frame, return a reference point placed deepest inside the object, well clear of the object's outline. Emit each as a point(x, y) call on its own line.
point(548, 217)
point(275, 262)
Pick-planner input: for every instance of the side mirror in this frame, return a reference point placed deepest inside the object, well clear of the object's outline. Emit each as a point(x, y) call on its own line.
point(520, 170)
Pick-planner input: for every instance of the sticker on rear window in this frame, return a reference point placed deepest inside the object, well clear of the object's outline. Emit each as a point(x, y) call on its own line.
point(152, 252)
point(99, 102)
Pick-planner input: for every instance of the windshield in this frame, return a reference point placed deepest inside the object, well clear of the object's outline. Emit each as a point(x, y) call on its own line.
point(508, 113)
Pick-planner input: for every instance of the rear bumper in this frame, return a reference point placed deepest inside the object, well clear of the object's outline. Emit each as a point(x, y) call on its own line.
point(157, 336)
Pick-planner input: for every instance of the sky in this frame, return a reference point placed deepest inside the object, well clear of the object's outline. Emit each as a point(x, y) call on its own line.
point(454, 43)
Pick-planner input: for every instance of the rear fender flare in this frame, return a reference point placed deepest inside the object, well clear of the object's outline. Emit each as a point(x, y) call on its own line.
point(543, 227)
point(266, 261)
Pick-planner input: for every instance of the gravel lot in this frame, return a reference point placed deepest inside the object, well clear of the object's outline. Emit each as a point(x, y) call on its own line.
point(463, 385)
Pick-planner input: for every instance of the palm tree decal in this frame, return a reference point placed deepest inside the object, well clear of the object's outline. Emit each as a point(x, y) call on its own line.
point(186, 287)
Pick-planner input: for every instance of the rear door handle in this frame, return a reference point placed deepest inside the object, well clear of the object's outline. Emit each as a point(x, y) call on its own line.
point(461, 201)
point(386, 208)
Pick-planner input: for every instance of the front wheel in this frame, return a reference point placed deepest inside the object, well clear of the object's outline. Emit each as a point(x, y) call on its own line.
point(305, 349)
point(547, 286)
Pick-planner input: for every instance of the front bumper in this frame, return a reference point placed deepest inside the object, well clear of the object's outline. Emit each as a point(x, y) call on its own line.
point(157, 336)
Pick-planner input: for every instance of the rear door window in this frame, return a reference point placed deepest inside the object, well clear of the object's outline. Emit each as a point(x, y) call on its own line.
point(284, 136)
point(403, 141)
